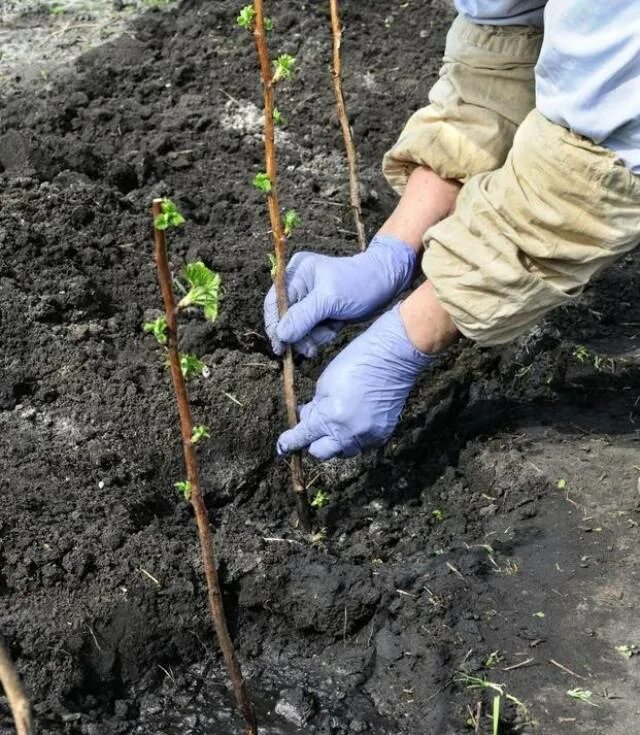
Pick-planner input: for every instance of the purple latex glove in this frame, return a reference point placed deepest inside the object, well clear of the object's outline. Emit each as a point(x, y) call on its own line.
point(324, 292)
point(360, 395)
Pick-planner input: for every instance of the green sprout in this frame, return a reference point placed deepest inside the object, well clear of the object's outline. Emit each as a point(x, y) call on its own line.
point(57, 9)
point(247, 17)
point(495, 718)
point(204, 291)
point(438, 514)
point(184, 487)
point(291, 221)
point(158, 327)
point(584, 695)
point(170, 216)
point(273, 263)
point(320, 499)
point(283, 68)
point(262, 182)
point(581, 353)
point(200, 432)
point(191, 366)
point(277, 117)
point(561, 484)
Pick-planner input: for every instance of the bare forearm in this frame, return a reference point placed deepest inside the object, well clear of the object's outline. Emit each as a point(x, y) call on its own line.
point(426, 200)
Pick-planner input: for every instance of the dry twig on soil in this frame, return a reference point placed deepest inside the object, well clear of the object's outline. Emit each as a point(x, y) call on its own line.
point(205, 535)
point(18, 702)
point(347, 133)
point(280, 248)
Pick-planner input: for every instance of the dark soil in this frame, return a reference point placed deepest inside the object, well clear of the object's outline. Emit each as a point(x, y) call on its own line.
point(501, 520)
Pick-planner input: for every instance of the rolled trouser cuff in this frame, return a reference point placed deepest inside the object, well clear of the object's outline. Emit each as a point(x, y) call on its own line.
point(528, 237)
point(484, 91)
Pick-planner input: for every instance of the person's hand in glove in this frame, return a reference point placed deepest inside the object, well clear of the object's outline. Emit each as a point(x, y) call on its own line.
point(360, 395)
point(324, 292)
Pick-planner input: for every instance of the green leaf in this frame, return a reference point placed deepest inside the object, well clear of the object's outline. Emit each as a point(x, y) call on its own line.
point(247, 17)
point(190, 366)
point(283, 68)
point(584, 695)
point(200, 432)
point(277, 117)
point(320, 499)
point(561, 484)
point(268, 24)
point(204, 289)
point(290, 221)
point(170, 216)
point(262, 182)
point(438, 514)
point(273, 263)
point(158, 327)
point(184, 487)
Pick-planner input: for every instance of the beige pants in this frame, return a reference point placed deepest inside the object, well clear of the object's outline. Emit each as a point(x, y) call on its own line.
point(540, 213)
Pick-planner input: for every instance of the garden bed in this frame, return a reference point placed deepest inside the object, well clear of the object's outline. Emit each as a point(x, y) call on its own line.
point(496, 535)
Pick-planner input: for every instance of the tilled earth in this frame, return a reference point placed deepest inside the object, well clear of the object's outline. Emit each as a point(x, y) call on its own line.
point(496, 536)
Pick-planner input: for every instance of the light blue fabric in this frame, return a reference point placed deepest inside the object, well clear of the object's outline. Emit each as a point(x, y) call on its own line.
point(502, 12)
point(588, 73)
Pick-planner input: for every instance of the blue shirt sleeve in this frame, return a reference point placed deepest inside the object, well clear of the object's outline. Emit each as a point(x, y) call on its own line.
point(502, 12)
point(588, 73)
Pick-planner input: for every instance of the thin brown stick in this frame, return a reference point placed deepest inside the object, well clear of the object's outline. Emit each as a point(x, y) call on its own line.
point(205, 535)
point(347, 133)
point(280, 248)
point(18, 702)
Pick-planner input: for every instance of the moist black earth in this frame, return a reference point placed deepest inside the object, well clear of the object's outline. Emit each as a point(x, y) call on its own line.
point(496, 536)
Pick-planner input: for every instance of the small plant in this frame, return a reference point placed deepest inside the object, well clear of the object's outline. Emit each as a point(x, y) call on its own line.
point(262, 182)
point(168, 216)
point(320, 499)
point(561, 484)
point(500, 693)
point(343, 117)
point(200, 432)
point(277, 117)
point(57, 9)
point(290, 221)
point(158, 327)
point(184, 487)
point(283, 68)
point(266, 181)
point(583, 695)
point(190, 366)
point(204, 290)
point(438, 514)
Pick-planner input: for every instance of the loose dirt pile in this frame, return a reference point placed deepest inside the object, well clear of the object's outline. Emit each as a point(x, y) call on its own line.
point(496, 533)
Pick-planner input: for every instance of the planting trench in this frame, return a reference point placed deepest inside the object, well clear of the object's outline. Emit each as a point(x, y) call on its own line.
point(501, 518)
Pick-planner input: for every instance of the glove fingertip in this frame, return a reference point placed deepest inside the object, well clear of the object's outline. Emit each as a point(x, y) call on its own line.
point(325, 448)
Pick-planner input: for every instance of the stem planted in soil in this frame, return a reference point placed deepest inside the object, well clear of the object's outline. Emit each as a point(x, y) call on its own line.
point(280, 248)
point(347, 133)
point(191, 463)
point(18, 702)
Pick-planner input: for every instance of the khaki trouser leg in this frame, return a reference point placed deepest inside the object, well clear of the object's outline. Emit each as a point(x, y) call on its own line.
point(485, 90)
point(529, 236)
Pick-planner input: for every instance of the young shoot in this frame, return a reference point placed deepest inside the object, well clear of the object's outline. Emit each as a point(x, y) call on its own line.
point(170, 216)
point(184, 487)
point(272, 264)
point(158, 327)
point(191, 366)
point(262, 182)
point(200, 432)
point(320, 499)
point(283, 68)
point(204, 289)
point(290, 221)
point(247, 18)
point(277, 117)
